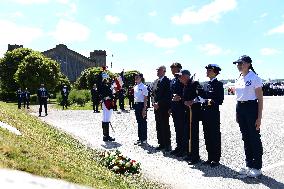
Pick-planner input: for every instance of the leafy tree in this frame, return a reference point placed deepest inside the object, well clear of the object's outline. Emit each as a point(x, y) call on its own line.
point(24, 67)
point(35, 69)
point(8, 66)
point(91, 76)
point(129, 78)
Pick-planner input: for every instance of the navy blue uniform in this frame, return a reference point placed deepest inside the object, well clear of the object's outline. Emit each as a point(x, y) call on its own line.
point(211, 118)
point(96, 99)
point(178, 114)
point(26, 98)
point(19, 97)
point(189, 95)
point(64, 94)
point(121, 99)
point(42, 94)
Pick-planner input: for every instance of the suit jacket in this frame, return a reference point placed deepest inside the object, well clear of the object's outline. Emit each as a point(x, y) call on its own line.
point(215, 91)
point(162, 93)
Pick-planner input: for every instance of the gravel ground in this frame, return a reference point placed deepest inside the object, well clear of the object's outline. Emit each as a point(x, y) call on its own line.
point(174, 172)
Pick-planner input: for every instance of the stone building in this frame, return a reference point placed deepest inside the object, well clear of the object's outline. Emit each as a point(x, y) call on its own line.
point(73, 63)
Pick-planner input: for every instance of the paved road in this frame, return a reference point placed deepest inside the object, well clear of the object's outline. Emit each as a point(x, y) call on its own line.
point(174, 172)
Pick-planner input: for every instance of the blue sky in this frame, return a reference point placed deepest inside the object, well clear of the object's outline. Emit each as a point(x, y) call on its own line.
point(143, 34)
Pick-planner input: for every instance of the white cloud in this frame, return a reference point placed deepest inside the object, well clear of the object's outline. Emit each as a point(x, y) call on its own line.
point(12, 33)
point(269, 51)
point(170, 51)
point(31, 1)
point(210, 12)
point(278, 29)
point(186, 38)
point(112, 19)
point(116, 37)
point(213, 49)
point(70, 31)
point(63, 1)
point(153, 13)
point(263, 15)
point(17, 14)
point(71, 9)
point(160, 42)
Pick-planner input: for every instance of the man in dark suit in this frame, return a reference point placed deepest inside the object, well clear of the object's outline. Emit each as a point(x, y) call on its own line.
point(161, 104)
point(95, 98)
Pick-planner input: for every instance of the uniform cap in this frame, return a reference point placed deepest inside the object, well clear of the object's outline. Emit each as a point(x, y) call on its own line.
point(213, 66)
point(243, 58)
point(183, 72)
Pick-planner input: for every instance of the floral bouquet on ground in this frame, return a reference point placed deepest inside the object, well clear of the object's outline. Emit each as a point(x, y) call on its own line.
point(118, 163)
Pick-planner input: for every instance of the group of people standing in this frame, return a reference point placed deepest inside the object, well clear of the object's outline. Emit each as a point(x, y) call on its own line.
point(189, 102)
point(23, 97)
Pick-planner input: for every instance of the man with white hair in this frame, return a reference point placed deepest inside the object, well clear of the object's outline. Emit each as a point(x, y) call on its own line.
point(161, 104)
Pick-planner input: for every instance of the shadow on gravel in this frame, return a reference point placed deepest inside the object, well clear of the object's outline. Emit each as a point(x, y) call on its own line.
point(226, 172)
point(149, 148)
point(111, 145)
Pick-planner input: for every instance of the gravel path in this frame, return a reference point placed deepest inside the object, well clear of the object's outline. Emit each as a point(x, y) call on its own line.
point(174, 172)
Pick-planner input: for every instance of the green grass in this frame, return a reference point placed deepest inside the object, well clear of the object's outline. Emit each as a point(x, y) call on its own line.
point(43, 150)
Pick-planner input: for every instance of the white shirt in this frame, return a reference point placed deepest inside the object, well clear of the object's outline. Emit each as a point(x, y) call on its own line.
point(140, 91)
point(245, 86)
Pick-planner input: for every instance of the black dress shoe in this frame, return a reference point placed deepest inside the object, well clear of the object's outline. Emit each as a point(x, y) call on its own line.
point(174, 152)
point(208, 162)
point(193, 161)
point(168, 148)
point(159, 148)
point(180, 154)
point(214, 164)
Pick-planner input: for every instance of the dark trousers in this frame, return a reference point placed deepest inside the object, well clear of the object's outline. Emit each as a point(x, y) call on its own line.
point(43, 102)
point(96, 105)
point(178, 114)
point(163, 127)
point(131, 102)
point(212, 134)
point(19, 103)
point(194, 138)
point(121, 103)
point(26, 102)
point(142, 122)
point(64, 101)
point(246, 116)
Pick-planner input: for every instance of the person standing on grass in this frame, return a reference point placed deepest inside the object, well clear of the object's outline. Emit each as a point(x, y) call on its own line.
point(249, 107)
point(140, 107)
point(19, 97)
point(26, 98)
point(42, 95)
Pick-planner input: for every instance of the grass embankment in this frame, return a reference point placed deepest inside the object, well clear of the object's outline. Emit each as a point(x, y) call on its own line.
point(43, 150)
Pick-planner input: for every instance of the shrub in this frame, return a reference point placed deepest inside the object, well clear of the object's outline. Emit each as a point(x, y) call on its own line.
point(118, 163)
point(79, 97)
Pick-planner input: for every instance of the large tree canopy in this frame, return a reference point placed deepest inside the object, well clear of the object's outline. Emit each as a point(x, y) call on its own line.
point(8, 67)
point(92, 76)
point(24, 67)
